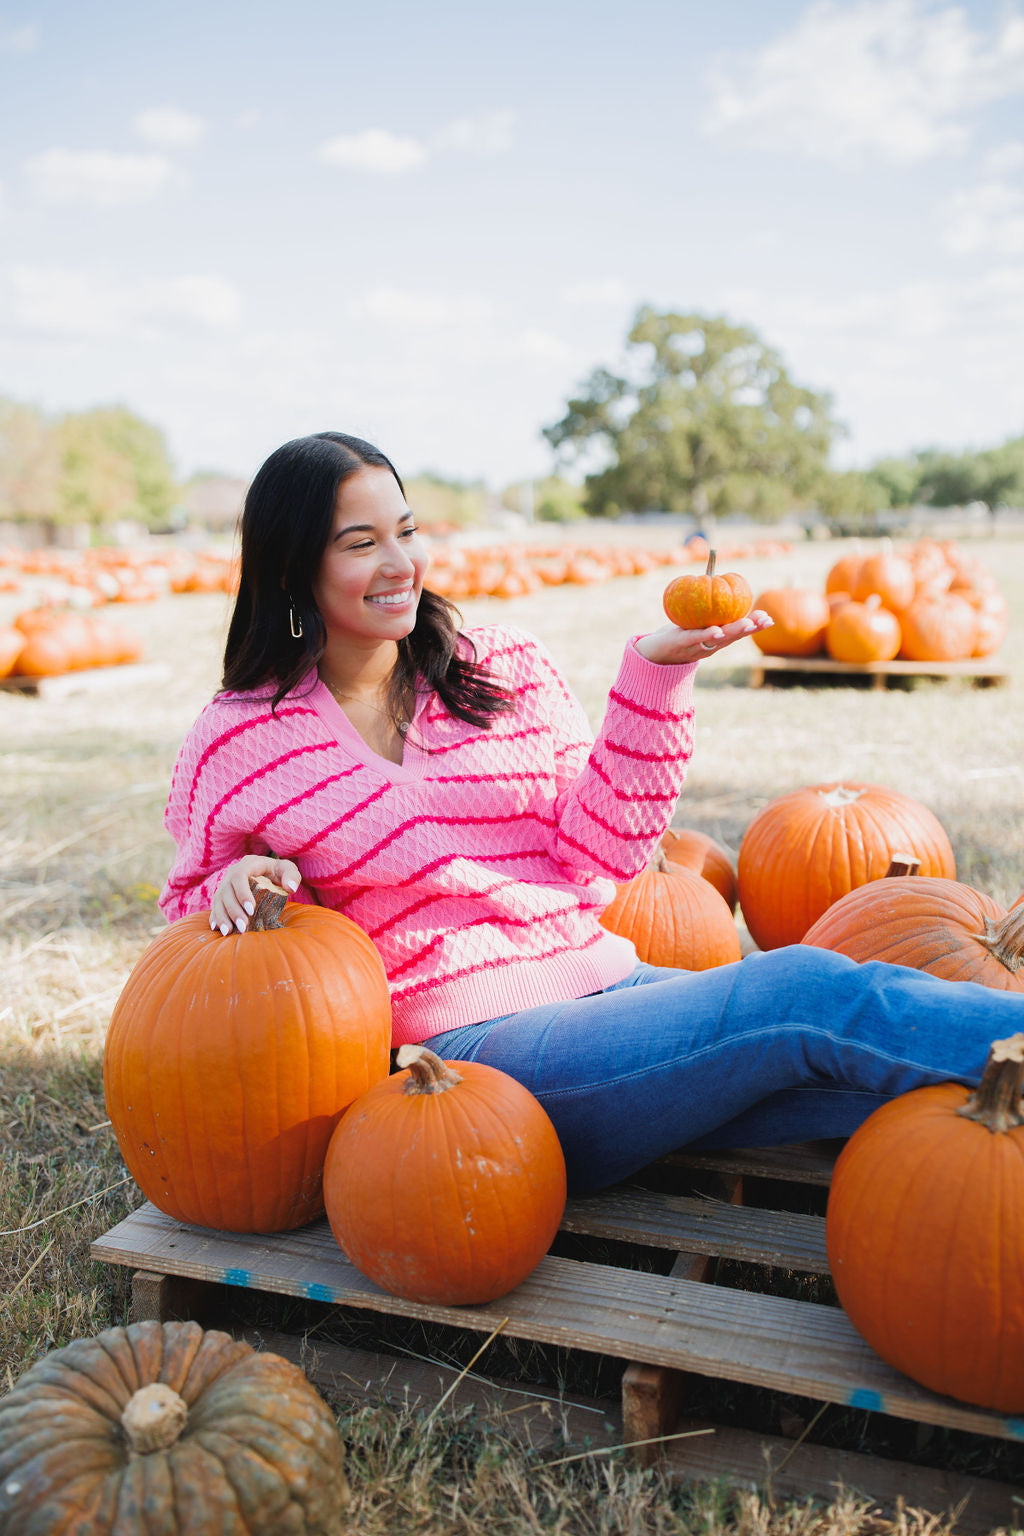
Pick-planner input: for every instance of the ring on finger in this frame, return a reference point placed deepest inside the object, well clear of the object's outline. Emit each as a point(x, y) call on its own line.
point(706, 646)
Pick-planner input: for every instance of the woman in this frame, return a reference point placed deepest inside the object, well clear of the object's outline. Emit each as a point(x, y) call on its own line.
point(444, 791)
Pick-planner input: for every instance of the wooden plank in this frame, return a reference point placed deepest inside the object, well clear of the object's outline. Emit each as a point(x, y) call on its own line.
point(982, 671)
point(783, 1239)
point(809, 1162)
point(89, 680)
point(771, 1341)
point(746, 1459)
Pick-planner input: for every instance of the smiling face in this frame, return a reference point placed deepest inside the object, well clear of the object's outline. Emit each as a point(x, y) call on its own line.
point(370, 577)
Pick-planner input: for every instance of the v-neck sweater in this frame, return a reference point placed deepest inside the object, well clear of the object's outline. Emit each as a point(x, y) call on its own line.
point(479, 865)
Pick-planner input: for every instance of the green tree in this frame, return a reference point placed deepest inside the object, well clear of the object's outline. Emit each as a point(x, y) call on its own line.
point(29, 463)
point(706, 420)
point(437, 500)
point(113, 465)
point(993, 476)
point(851, 500)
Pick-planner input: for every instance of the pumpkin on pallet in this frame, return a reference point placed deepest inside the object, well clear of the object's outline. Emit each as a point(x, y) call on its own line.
point(925, 1234)
point(165, 1427)
point(674, 917)
point(941, 926)
point(861, 632)
point(446, 1182)
point(805, 849)
point(799, 620)
point(230, 1059)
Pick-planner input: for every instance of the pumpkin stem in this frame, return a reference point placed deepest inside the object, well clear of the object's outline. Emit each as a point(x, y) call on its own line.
point(153, 1419)
point(712, 556)
point(1005, 938)
point(427, 1072)
point(996, 1102)
point(903, 864)
point(659, 861)
point(270, 901)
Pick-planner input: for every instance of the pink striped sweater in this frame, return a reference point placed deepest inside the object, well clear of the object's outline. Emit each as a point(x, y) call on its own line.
point(481, 864)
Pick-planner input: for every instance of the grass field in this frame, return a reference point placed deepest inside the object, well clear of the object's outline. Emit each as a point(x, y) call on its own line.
point(82, 786)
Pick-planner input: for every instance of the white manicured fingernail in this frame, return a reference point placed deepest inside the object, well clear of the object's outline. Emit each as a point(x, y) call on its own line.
point(292, 885)
point(225, 929)
point(250, 907)
point(240, 924)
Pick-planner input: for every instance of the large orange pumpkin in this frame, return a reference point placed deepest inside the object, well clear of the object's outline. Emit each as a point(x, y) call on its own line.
point(229, 1061)
point(940, 926)
point(861, 632)
point(925, 1234)
point(942, 628)
point(446, 1182)
point(887, 576)
point(807, 848)
point(686, 848)
point(800, 619)
point(675, 917)
point(696, 602)
point(162, 1427)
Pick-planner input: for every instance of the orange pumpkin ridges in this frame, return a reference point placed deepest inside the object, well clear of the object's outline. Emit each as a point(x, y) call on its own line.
point(696, 851)
point(935, 925)
point(182, 1424)
point(697, 602)
point(800, 619)
point(229, 1060)
point(446, 1182)
point(925, 1234)
point(807, 848)
point(675, 917)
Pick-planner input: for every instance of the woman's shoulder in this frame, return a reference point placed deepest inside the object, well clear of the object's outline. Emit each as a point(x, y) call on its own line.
point(503, 647)
point(232, 709)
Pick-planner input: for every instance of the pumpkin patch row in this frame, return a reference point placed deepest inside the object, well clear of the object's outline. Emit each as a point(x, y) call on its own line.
point(91, 578)
point(931, 602)
point(43, 642)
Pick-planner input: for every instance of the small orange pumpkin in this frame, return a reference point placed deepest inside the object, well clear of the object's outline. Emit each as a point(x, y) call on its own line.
point(925, 1234)
point(805, 849)
point(674, 917)
point(230, 1059)
point(697, 602)
point(446, 1182)
point(861, 632)
point(800, 620)
point(686, 848)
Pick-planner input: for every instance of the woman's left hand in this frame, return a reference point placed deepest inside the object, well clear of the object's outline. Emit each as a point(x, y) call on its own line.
point(670, 645)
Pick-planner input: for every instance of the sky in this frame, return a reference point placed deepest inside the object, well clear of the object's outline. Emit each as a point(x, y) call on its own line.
point(427, 224)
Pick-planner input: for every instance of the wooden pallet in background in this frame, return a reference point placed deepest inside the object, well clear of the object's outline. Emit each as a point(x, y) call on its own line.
point(670, 1328)
point(982, 672)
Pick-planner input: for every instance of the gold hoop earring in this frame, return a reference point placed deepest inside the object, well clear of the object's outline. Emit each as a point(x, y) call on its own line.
point(294, 622)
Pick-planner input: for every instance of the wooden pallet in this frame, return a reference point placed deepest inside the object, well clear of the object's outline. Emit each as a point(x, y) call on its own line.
point(983, 673)
point(89, 680)
point(670, 1329)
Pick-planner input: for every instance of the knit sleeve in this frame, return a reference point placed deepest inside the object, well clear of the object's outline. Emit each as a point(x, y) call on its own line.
point(616, 796)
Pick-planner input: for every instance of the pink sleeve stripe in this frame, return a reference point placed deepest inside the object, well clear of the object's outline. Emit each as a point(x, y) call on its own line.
point(641, 757)
point(649, 714)
point(251, 778)
point(488, 778)
point(620, 875)
point(314, 789)
point(226, 736)
point(340, 821)
point(490, 965)
point(413, 822)
point(621, 834)
point(328, 882)
point(670, 796)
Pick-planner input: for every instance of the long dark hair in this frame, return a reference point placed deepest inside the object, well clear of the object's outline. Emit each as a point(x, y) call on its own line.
point(287, 521)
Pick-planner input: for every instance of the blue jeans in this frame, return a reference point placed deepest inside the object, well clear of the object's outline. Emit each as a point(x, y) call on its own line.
point(791, 1045)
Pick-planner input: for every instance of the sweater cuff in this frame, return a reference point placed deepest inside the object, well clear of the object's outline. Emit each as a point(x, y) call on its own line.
point(656, 686)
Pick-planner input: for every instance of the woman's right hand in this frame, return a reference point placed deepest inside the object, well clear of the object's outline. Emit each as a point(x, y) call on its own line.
point(232, 902)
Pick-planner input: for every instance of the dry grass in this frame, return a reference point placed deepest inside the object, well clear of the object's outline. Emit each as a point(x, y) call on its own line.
point(82, 854)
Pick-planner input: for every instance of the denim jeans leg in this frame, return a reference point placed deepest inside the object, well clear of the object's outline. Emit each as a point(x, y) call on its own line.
point(781, 1046)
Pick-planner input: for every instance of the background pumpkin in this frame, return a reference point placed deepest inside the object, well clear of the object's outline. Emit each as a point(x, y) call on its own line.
point(686, 848)
point(446, 1182)
point(937, 925)
point(860, 632)
point(938, 628)
point(807, 848)
point(801, 617)
point(229, 1060)
point(675, 917)
point(925, 1234)
point(163, 1426)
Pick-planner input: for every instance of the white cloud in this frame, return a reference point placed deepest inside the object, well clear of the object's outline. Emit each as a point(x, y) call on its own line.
point(65, 302)
point(607, 291)
point(169, 126)
point(18, 39)
point(407, 310)
point(988, 218)
point(538, 346)
point(488, 133)
point(96, 178)
point(892, 79)
point(374, 150)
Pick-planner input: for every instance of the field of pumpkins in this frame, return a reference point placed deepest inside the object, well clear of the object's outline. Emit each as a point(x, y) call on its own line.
point(930, 602)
